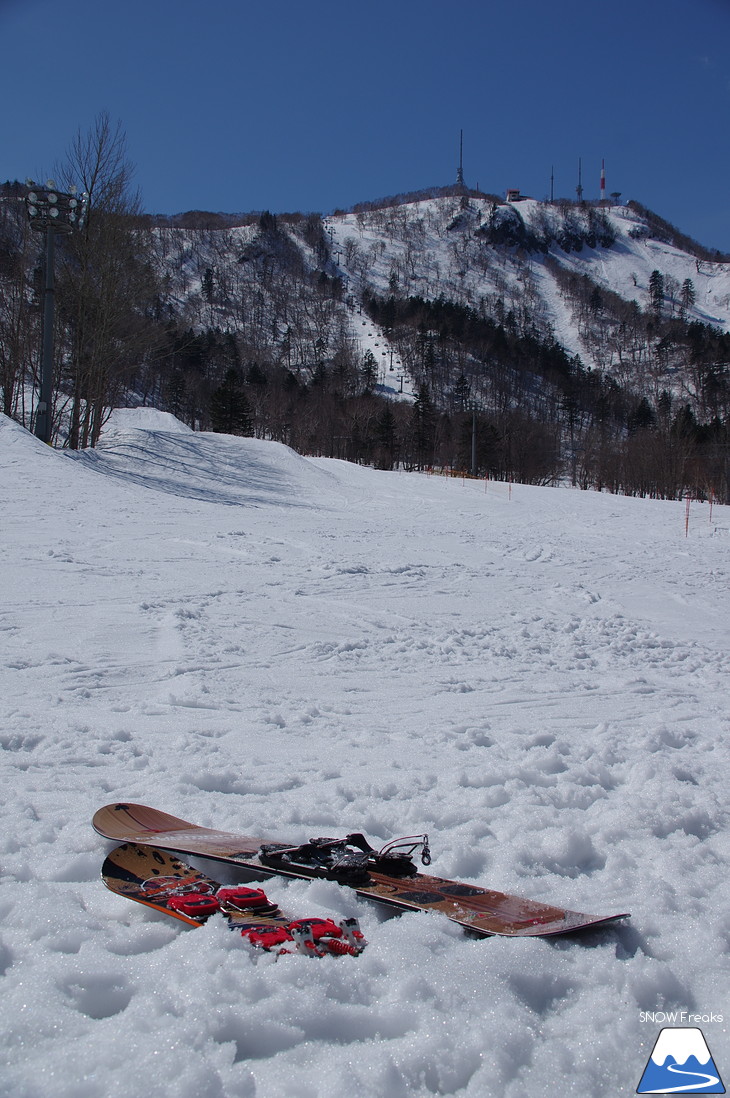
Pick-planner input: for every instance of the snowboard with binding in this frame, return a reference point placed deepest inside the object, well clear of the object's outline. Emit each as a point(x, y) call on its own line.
point(162, 881)
point(387, 875)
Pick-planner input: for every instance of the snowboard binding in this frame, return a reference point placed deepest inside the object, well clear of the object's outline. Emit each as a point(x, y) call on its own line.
point(230, 900)
point(312, 937)
point(350, 860)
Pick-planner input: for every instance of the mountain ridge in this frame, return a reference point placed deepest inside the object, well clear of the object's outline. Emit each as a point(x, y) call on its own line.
point(515, 338)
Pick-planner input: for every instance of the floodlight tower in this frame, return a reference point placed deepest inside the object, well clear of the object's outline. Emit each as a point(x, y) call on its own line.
point(579, 188)
point(50, 211)
point(603, 181)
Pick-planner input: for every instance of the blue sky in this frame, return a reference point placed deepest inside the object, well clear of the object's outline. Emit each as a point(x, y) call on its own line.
point(238, 105)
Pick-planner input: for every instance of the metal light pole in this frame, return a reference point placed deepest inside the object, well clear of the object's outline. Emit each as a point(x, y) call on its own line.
point(50, 211)
point(473, 440)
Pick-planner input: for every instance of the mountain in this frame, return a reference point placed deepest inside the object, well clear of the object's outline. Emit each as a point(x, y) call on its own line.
point(514, 339)
point(571, 272)
point(606, 283)
point(524, 257)
point(566, 328)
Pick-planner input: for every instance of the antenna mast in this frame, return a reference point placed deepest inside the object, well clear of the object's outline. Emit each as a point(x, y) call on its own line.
point(579, 188)
point(460, 171)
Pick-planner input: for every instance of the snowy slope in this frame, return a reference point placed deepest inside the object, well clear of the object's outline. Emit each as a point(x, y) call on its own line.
point(297, 292)
point(434, 247)
point(426, 237)
point(268, 643)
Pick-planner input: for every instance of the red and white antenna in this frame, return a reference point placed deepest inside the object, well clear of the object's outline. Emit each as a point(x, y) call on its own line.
point(603, 181)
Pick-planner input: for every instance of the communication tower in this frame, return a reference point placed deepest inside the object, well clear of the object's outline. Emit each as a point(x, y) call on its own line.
point(460, 169)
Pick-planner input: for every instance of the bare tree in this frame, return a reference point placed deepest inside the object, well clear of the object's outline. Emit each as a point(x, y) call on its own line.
point(18, 318)
point(107, 285)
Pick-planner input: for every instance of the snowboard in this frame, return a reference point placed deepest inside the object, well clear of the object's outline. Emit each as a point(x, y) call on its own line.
point(388, 876)
point(162, 881)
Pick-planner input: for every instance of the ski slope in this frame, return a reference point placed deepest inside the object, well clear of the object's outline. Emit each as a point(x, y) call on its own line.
point(435, 232)
point(437, 248)
point(288, 646)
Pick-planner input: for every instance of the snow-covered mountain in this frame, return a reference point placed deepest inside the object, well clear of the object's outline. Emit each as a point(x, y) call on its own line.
point(605, 282)
point(476, 252)
point(518, 339)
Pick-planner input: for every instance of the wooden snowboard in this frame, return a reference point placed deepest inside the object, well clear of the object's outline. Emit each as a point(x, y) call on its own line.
point(480, 910)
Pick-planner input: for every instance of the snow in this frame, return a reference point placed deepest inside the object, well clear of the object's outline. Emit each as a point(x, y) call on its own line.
point(626, 267)
point(144, 419)
point(287, 646)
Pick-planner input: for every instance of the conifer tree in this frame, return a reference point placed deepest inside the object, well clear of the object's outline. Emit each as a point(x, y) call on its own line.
point(656, 290)
point(369, 372)
point(688, 294)
point(385, 433)
point(230, 411)
point(424, 427)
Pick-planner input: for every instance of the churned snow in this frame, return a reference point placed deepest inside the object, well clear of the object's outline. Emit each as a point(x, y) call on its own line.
point(278, 645)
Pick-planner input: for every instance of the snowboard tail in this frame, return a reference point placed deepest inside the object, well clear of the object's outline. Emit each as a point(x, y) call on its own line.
point(480, 910)
point(160, 880)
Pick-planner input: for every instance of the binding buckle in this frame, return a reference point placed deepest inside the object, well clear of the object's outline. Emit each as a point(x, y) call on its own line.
point(406, 846)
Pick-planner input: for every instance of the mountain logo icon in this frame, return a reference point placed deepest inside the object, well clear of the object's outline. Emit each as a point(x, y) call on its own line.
point(680, 1063)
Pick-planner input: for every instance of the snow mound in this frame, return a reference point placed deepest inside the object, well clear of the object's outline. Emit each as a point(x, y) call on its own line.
point(144, 419)
point(211, 468)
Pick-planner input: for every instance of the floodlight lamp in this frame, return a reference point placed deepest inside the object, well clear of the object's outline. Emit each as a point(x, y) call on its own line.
point(72, 204)
point(53, 212)
point(32, 196)
point(52, 197)
point(51, 183)
point(30, 182)
point(72, 189)
point(32, 211)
